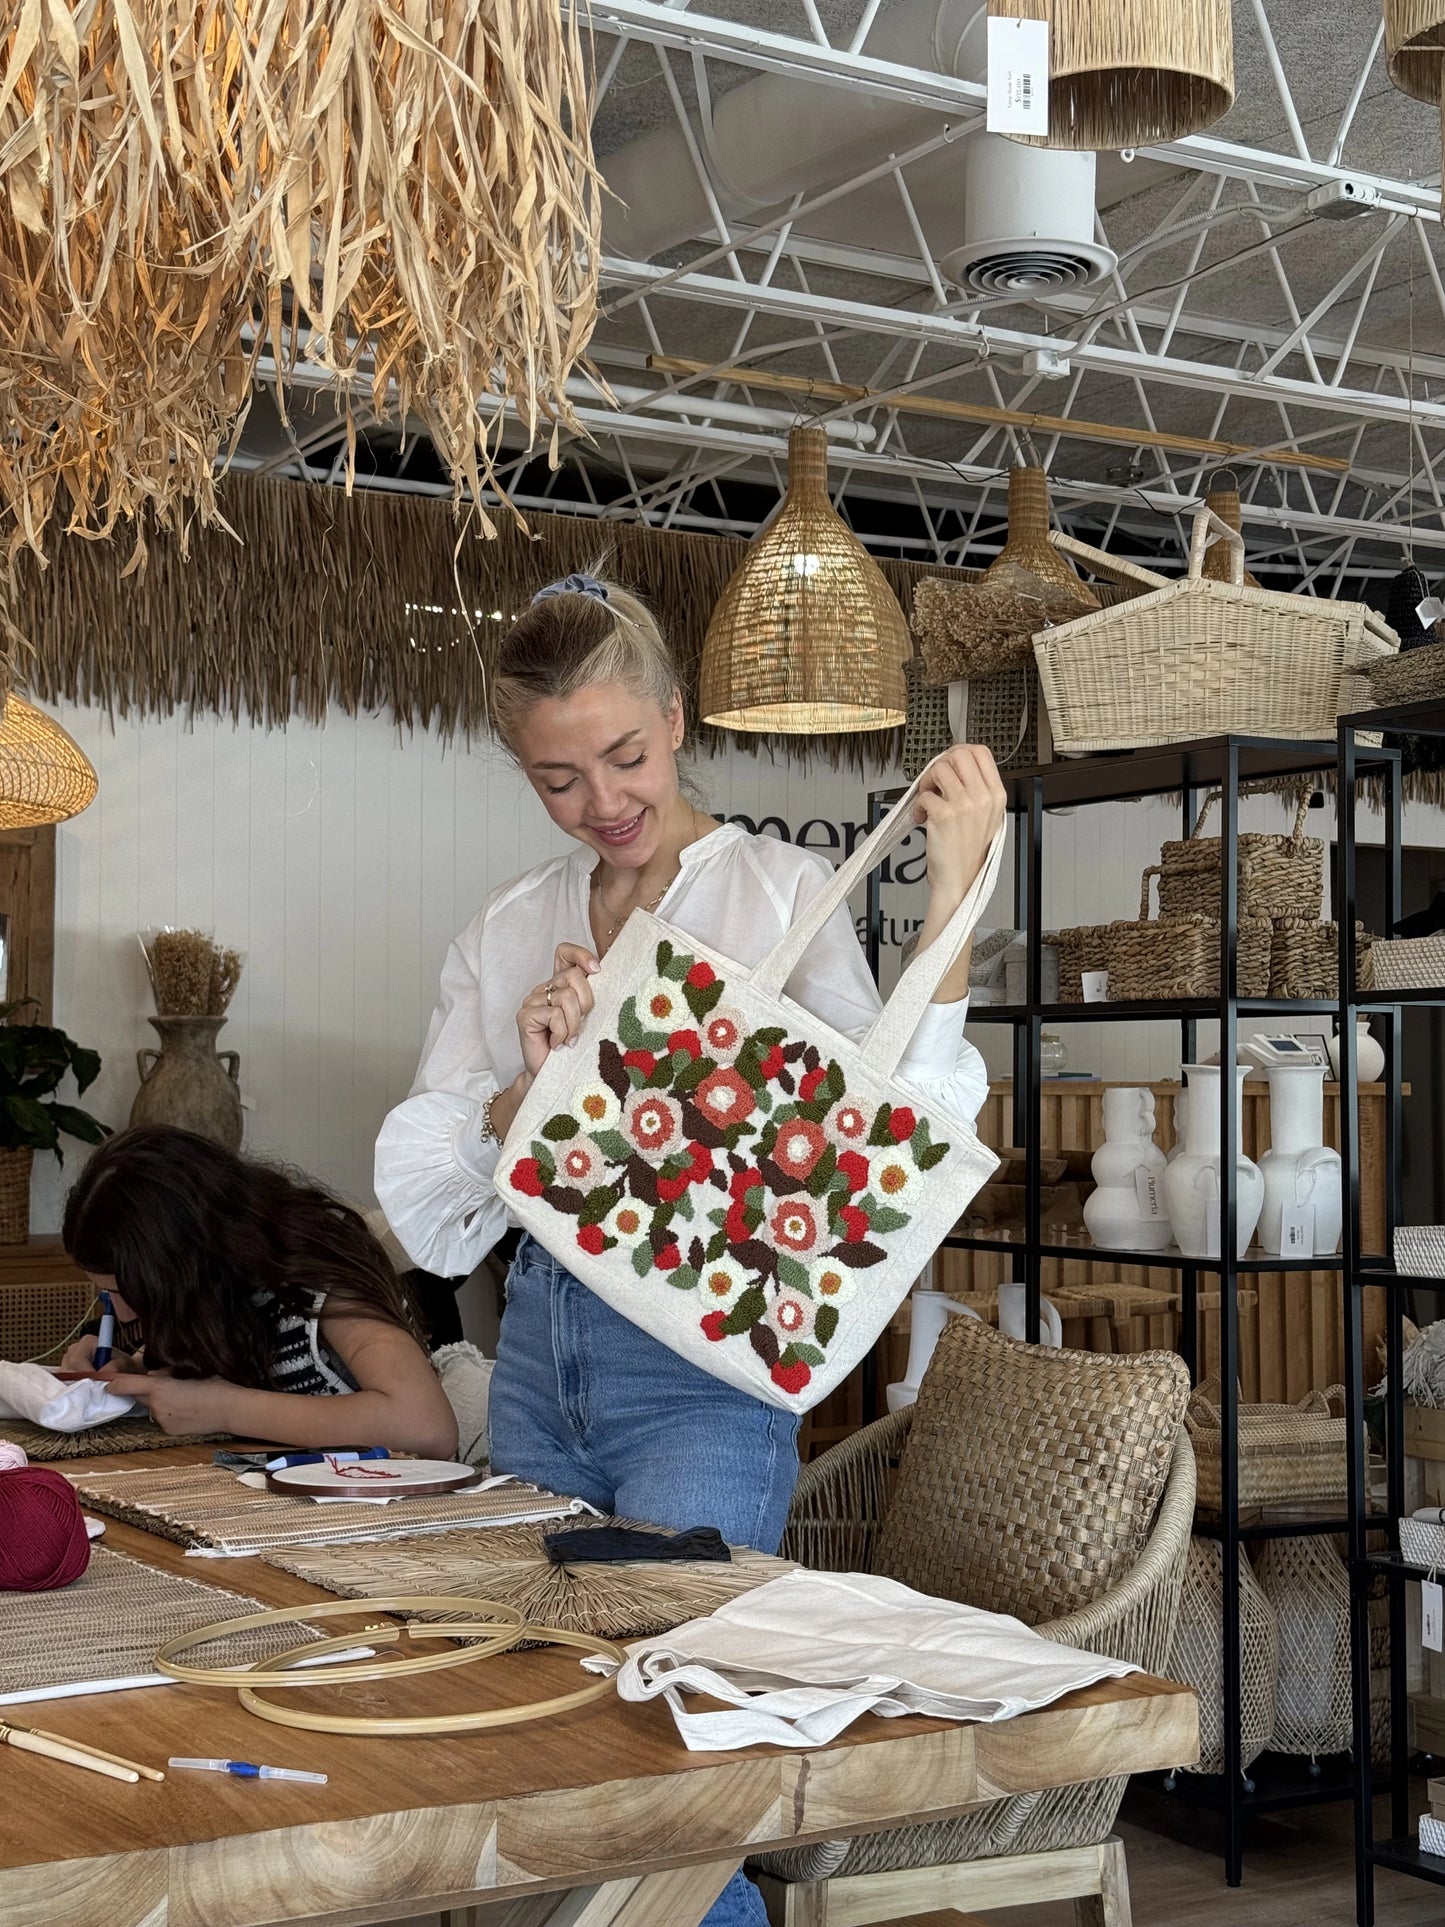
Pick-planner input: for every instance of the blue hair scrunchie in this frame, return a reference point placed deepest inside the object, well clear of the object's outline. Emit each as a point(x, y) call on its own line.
point(572, 585)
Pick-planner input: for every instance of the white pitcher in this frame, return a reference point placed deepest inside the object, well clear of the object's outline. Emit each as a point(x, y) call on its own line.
point(929, 1312)
point(1012, 1316)
point(1298, 1168)
point(1191, 1182)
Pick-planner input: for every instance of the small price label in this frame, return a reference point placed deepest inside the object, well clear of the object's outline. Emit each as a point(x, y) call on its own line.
point(1146, 1190)
point(1096, 986)
point(1297, 1231)
point(1432, 1616)
point(1018, 77)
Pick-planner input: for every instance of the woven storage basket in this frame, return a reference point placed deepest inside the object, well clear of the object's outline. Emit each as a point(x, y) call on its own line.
point(1085, 947)
point(1197, 1660)
point(1404, 963)
point(1419, 1250)
point(1201, 658)
point(1004, 712)
point(1307, 1583)
point(1413, 676)
point(1304, 957)
point(1279, 876)
point(1179, 956)
point(1288, 1454)
point(1422, 1542)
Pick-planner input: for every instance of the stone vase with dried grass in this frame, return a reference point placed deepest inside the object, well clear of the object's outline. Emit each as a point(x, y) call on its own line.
point(188, 1083)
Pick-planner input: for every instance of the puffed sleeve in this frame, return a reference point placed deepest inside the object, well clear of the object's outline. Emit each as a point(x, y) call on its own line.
point(433, 1171)
point(832, 980)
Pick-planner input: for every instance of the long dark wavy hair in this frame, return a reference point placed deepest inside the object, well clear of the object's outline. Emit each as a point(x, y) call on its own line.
point(210, 1249)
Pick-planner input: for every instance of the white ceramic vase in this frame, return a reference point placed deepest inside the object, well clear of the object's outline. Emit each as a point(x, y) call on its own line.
point(1125, 1212)
point(1191, 1182)
point(929, 1312)
point(1369, 1054)
point(1298, 1168)
point(1181, 1112)
point(1013, 1315)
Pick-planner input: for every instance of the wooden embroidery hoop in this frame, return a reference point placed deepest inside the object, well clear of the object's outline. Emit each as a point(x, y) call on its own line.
point(501, 1629)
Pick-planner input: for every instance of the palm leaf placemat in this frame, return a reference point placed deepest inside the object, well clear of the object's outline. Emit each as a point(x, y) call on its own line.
point(44, 1447)
point(510, 1566)
point(103, 1631)
point(205, 1509)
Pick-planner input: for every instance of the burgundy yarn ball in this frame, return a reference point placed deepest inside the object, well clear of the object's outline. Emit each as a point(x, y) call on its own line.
point(43, 1542)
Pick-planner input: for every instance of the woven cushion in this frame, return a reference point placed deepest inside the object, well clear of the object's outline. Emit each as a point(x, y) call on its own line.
point(1031, 1475)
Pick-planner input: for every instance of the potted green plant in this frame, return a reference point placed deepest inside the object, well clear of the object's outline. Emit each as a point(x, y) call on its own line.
point(33, 1060)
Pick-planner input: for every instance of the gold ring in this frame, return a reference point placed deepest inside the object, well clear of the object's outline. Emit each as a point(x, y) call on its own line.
point(550, 989)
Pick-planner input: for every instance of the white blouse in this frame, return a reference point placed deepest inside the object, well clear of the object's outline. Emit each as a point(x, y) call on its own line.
point(736, 893)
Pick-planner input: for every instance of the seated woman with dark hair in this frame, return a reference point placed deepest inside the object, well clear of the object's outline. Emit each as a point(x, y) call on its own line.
point(259, 1297)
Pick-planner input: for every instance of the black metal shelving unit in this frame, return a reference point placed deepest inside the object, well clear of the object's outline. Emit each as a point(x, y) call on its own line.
point(1400, 1851)
point(1226, 763)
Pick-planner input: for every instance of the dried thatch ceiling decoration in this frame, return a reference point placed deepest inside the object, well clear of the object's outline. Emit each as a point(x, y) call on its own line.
point(183, 186)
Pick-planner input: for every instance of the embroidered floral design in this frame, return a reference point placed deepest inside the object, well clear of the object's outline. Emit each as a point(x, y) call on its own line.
point(732, 1163)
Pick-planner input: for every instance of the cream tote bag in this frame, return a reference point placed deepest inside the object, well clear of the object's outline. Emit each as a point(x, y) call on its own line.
point(751, 1187)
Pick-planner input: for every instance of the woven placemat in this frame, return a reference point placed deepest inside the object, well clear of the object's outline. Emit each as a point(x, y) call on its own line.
point(204, 1508)
point(122, 1435)
point(107, 1626)
point(509, 1565)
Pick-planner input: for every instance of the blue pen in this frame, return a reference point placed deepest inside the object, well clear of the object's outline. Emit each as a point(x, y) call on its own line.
point(248, 1770)
point(105, 1338)
point(320, 1458)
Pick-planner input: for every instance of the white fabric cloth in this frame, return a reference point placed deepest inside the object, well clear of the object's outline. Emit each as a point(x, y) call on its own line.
point(29, 1391)
point(802, 1657)
point(737, 893)
point(466, 1376)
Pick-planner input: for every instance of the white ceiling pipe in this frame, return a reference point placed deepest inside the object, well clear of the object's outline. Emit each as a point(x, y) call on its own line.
point(703, 409)
point(774, 137)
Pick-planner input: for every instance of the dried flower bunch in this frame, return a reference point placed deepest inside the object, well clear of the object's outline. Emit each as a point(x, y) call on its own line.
point(398, 194)
point(191, 976)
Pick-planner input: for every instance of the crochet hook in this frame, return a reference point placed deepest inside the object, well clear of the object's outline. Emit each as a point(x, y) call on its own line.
point(95, 1752)
point(66, 1753)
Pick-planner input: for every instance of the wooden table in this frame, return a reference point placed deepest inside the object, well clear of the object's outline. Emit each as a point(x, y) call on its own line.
point(597, 1818)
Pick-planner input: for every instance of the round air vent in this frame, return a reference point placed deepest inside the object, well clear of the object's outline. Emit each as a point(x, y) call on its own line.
point(1024, 270)
point(1028, 222)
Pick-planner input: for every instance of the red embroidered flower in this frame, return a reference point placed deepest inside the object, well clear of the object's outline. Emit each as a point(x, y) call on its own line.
point(743, 1181)
point(640, 1060)
point(808, 1086)
point(854, 1167)
point(701, 1168)
point(724, 1031)
point(669, 1190)
point(713, 1323)
point(687, 1040)
point(794, 1225)
point(792, 1378)
point(668, 1259)
point(580, 1162)
point(855, 1223)
point(791, 1315)
point(773, 1062)
point(847, 1124)
point(701, 975)
point(736, 1228)
point(527, 1178)
point(902, 1124)
point(653, 1122)
point(590, 1237)
point(725, 1097)
point(800, 1144)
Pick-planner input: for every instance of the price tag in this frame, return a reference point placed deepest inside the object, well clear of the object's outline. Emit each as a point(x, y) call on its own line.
point(1432, 1616)
point(1211, 1228)
point(1297, 1231)
point(1018, 77)
point(1428, 612)
point(1146, 1189)
point(1096, 984)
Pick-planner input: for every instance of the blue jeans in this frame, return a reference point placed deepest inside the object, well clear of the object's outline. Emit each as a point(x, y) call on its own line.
point(584, 1402)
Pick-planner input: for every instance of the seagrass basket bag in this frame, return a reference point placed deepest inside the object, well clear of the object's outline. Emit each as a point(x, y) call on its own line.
point(1169, 957)
point(1288, 1454)
point(1201, 658)
point(1279, 876)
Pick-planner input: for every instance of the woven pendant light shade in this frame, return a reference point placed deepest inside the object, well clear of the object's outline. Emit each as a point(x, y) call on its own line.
point(1027, 545)
point(1226, 505)
point(807, 637)
point(45, 776)
point(1131, 73)
point(1415, 46)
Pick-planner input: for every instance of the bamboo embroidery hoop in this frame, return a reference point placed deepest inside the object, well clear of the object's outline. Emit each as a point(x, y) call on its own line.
point(502, 1629)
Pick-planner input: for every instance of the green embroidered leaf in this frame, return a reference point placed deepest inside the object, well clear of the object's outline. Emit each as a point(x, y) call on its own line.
point(642, 1258)
point(801, 1354)
point(716, 1217)
point(598, 1203)
point(701, 1002)
point(880, 1134)
point(769, 1035)
point(684, 1207)
point(634, 1033)
point(546, 1163)
point(826, 1323)
point(716, 1246)
point(661, 1078)
point(922, 1137)
point(746, 1312)
point(664, 954)
point(792, 1274)
point(765, 1101)
point(823, 1173)
point(613, 1146)
point(684, 1278)
point(692, 1072)
point(558, 1129)
point(885, 1219)
point(933, 1155)
point(867, 1203)
point(834, 1084)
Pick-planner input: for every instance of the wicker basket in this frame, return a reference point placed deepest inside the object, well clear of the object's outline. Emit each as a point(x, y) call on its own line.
point(1083, 948)
point(1288, 1454)
point(1304, 957)
point(1422, 1542)
point(1279, 876)
point(1411, 677)
point(1404, 963)
point(1200, 658)
point(1179, 956)
point(1196, 1659)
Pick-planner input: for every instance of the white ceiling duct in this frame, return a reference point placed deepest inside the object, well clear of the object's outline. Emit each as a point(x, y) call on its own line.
point(1029, 227)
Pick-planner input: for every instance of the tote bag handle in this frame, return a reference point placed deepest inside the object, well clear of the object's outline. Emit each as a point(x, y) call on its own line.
point(891, 1033)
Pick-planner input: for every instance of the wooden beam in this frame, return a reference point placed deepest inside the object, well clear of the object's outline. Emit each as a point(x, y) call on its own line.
point(970, 411)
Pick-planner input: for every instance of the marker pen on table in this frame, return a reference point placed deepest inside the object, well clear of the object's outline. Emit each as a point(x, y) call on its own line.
point(321, 1458)
point(105, 1337)
point(246, 1770)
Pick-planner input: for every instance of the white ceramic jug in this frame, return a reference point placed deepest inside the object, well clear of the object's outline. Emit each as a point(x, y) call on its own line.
point(1191, 1182)
point(1124, 1211)
point(929, 1312)
point(1298, 1168)
point(1012, 1316)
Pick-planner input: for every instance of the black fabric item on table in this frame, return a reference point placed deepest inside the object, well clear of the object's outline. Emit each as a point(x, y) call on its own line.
point(619, 1545)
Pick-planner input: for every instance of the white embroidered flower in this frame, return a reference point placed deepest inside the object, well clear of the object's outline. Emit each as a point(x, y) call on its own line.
point(722, 1283)
point(660, 1005)
point(652, 1123)
point(791, 1316)
point(830, 1282)
point(847, 1125)
point(580, 1163)
point(596, 1106)
point(894, 1177)
point(627, 1222)
point(724, 1033)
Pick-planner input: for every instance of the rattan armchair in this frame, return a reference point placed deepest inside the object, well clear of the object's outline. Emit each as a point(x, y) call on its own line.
point(1020, 1850)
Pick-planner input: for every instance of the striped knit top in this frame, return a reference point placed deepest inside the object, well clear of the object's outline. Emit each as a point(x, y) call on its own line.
point(303, 1361)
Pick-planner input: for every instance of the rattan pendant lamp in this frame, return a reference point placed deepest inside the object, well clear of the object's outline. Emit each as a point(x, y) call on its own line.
point(1415, 49)
point(1027, 546)
point(807, 637)
point(1131, 73)
point(45, 776)
point(1223, 500)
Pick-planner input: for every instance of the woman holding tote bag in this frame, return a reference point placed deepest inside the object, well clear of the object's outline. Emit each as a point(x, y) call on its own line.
point(583, 1401)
